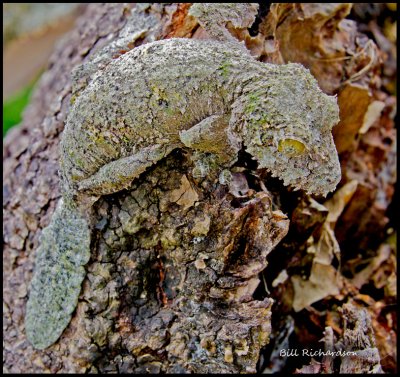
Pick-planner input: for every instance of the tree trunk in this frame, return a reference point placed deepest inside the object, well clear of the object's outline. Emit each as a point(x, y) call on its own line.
point(173, 280)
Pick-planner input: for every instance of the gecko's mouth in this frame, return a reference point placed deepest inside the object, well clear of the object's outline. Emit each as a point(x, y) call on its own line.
point(319, 184)
point(316, 176)
point(311, 182)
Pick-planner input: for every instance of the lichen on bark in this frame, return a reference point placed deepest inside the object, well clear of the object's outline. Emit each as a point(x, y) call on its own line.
point(172, 276)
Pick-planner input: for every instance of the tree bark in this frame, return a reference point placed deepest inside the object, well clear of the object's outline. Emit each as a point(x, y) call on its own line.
point(175, 263)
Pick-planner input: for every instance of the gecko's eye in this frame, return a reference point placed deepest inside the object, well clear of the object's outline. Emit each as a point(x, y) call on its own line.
point(291, 147)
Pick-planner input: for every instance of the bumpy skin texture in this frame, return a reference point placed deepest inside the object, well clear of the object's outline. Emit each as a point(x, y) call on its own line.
point(64, 250)
point(205, 96)
point(169, 86)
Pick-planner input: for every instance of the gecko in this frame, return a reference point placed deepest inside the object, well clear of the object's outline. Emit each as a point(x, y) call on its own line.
point(206, 97)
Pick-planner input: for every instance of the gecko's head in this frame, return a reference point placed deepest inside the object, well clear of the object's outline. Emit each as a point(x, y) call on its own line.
point(287, 128)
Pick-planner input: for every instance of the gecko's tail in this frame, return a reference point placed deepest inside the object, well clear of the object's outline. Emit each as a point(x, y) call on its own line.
point(59, 271)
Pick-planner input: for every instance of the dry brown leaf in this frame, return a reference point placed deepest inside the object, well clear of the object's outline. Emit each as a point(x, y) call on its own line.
point(338, 202)
point(372, 115)
point(185, 195)
point(364, 275)
point(324, 281)
point(353, 103)
point(314, 34)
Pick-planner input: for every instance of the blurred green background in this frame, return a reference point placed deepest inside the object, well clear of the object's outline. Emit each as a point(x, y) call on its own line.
point(14, 106)
point(29, 30)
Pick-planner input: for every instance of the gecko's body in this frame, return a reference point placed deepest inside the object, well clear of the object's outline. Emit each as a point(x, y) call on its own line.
point(143, 101)
point(206, 96)
point(141, 105)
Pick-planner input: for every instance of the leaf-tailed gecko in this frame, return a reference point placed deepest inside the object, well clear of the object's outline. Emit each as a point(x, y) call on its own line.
point(208, 97)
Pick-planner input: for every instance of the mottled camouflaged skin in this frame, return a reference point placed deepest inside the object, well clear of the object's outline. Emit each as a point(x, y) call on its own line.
point(208, 97)
point(144, 99)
